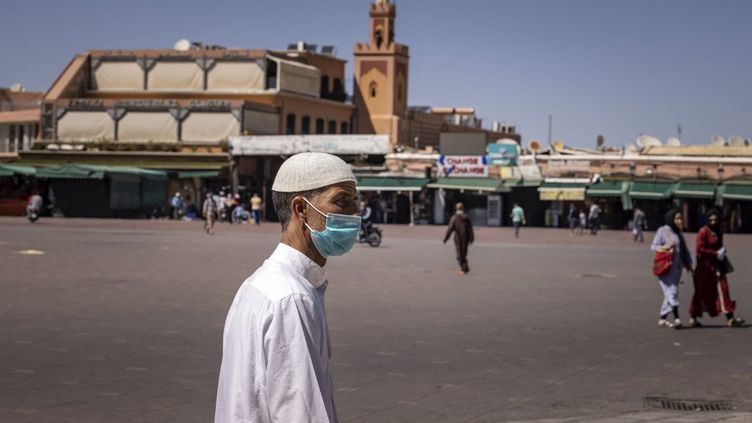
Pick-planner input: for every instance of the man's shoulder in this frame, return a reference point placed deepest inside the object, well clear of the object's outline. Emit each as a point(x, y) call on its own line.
point(276, 282)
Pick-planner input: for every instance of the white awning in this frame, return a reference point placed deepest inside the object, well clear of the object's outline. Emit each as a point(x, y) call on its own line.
point(275, 145)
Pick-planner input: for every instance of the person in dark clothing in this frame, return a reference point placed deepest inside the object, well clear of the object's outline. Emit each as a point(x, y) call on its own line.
point(462, 228)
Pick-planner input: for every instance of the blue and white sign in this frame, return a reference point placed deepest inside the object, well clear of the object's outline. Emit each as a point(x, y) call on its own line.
point(502, 154)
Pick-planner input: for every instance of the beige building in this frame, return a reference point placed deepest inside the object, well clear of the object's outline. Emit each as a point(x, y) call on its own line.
point(19, 119)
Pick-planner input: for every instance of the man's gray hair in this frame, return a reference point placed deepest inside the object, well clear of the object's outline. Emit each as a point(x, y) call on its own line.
point(282, 200)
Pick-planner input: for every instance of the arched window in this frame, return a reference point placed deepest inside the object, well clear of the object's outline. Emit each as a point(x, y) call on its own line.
point(372, 90)
point(338, 89)
point(290, 124)
point(305, 125)
point(399, 91)
point(331, 127)
point(379, 37)
point(344, 128)
point(319, 126)
point(324, 86)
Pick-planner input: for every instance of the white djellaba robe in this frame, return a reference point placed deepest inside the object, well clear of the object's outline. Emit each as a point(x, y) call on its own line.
point(276, 350)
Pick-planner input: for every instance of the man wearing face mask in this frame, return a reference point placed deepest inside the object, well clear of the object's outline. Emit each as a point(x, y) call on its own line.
point(276, 350)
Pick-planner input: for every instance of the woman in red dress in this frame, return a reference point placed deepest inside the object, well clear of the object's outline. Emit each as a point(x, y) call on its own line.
point(711, 286)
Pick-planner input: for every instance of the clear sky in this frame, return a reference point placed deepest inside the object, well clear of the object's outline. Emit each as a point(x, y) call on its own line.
point(617, 68)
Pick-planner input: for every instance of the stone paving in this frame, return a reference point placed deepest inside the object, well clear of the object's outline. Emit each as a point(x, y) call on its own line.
point(121, 321)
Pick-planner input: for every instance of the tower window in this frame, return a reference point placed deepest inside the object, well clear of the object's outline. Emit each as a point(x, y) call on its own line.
point(343, 128)
point(331, 127)
point(379, 38)
point(319, 126)
point(305, 125)
point(399, 91)
point(372, 89)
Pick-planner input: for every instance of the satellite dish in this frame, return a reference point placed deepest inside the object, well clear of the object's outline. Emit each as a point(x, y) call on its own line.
point(673, 142)
point(600, 141)
point(17, 88)
point(631, 149)
point(717, 141)
point(736, 141)
point(183, 45)
point(534, 146)
point(558, 145)
point(647, 141)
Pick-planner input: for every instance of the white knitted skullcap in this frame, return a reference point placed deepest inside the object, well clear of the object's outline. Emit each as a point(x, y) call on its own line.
point(307, 171)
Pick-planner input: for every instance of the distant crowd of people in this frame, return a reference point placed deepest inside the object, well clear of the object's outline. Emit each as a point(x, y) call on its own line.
point(218, 206)
point(583, 219)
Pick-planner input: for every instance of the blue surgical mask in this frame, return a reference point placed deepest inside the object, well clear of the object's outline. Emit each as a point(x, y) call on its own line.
point(339, 234)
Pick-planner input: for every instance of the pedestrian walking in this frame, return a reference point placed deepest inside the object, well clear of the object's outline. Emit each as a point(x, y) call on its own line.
point(710, 279)
point(573, 218)
point(583, 222)
point(669, 239)
point(518, 219)
point(256, 203)
point(276, 348)
point(594, 218)
point(638, 224)
point(210, 213)
point(462, 228)
point(176, 207)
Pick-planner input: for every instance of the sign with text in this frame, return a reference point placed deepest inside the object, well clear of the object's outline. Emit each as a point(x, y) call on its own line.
point(463, 166)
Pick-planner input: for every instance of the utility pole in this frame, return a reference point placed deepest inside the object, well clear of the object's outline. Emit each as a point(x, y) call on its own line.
point(550, 124)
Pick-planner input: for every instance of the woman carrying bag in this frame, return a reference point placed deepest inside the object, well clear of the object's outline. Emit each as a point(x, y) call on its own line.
point(669, 241)
point(711, 286)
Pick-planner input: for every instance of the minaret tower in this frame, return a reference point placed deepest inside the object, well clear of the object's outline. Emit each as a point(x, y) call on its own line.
point(380, 91)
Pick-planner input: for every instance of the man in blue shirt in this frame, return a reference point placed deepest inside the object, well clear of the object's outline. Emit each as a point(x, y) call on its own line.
point(518, 219)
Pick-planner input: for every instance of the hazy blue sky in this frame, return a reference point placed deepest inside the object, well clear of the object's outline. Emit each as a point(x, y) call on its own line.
point(618, 68)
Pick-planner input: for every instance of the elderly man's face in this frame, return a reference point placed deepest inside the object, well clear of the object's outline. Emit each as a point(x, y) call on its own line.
point(338, 199)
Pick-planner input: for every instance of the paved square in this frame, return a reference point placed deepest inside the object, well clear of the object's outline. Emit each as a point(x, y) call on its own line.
point(121, 321)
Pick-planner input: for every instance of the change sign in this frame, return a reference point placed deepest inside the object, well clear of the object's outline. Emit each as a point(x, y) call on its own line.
point(463, 166)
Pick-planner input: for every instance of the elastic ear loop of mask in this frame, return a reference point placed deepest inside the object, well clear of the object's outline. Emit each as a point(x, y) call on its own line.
point(318, 211)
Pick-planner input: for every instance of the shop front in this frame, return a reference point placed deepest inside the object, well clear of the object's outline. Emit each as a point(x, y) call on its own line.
point(558, 194)
point(614, 201)
point(481, 196)
point(396, 199)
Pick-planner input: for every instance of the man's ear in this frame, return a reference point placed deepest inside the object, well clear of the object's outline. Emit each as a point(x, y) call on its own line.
point(298, 206)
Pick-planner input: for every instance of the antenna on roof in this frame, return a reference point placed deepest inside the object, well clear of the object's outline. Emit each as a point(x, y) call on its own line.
point(183, 45)
point(717, 141)
point(736, 141)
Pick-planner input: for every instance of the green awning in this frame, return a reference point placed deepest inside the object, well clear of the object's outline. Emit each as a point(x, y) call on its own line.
point(562, 185)
point(470, 184)
point(731, 191)
point(652, 190)
point(198, 174)
point(607, 189)
point(694, 190)
point(10, 170)
point(85, 171)
point(379, 183)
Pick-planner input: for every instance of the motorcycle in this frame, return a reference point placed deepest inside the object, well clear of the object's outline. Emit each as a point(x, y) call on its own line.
point(370, 235)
